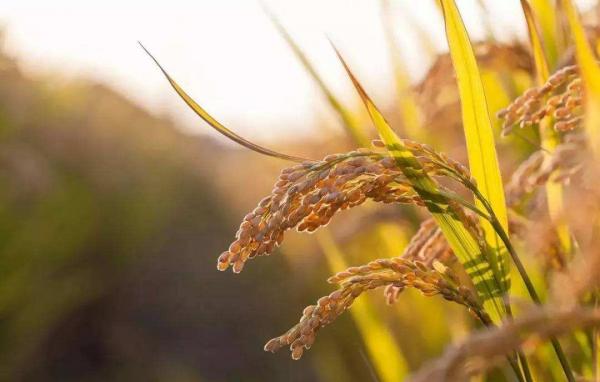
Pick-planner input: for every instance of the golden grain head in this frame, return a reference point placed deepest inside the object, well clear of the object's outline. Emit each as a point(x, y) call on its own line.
point(560, 100)
point(307, 196)
point(394, 275)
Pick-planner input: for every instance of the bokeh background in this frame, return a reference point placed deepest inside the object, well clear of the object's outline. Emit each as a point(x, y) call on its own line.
point(115, 200)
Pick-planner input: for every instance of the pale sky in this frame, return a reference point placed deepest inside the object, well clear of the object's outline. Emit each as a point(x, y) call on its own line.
point(226, 53)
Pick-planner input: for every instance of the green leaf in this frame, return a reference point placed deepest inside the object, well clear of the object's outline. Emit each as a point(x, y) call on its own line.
point(467, 250)
point(483, 161)
point(216, 124)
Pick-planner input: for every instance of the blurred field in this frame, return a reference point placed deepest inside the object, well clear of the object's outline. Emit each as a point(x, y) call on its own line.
point(111, 221)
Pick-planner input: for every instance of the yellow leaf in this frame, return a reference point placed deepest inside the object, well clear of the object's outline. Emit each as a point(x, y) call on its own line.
point(590, 73)
point(409, 110)
point(216, 124)
point(539, 57)
point(545, 10)
point(483, 161)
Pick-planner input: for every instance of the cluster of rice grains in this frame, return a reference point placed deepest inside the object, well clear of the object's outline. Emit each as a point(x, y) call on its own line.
point(560, 98)
point(560, 165)
point(398, 272)
point(560, 102)
point(307, 196)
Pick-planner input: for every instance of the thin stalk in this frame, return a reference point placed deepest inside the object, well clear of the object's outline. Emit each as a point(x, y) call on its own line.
point(523, 360)
point(520, 354)
point(533, 294)
point(520, 268)
point(595, 339)
point(526, 280)
point(518, 372)
point(522, 375)
point(525, 366)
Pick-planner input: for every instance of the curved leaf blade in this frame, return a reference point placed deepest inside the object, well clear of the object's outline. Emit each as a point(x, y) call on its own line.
point(216, 124)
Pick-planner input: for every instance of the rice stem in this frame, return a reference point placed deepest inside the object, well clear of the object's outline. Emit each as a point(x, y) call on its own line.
point(526, 280)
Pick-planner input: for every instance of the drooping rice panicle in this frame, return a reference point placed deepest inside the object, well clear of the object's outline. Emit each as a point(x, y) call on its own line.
point(354, 281)
point(561, 98)
point(308, 195)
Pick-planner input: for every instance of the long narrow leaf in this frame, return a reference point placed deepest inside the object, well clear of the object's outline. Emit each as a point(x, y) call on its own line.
point(479, 134)
point(539, 56)
point(462, 243)
point(590, 73)
point(216, 124)
point(545, 10)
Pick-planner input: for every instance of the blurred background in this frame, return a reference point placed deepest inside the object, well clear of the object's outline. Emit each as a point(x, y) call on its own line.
point(115, 199)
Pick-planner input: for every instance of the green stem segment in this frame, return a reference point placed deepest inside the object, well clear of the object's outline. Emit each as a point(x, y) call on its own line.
point(525, 366)
point(527, 281)
point(522, 375)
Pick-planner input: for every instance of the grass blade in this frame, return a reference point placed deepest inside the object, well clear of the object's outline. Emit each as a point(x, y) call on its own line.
point(479, 135)
point(350, 123)
point(462, 243)
point(590, 72)
point(539, 56)
point(545, 10)
point(216, 124)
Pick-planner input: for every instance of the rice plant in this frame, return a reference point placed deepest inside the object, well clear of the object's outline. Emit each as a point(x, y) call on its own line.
point(486, 238)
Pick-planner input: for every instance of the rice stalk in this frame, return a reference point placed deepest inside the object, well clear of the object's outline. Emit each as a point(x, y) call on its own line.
point(560, 99)
point(308, 195)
